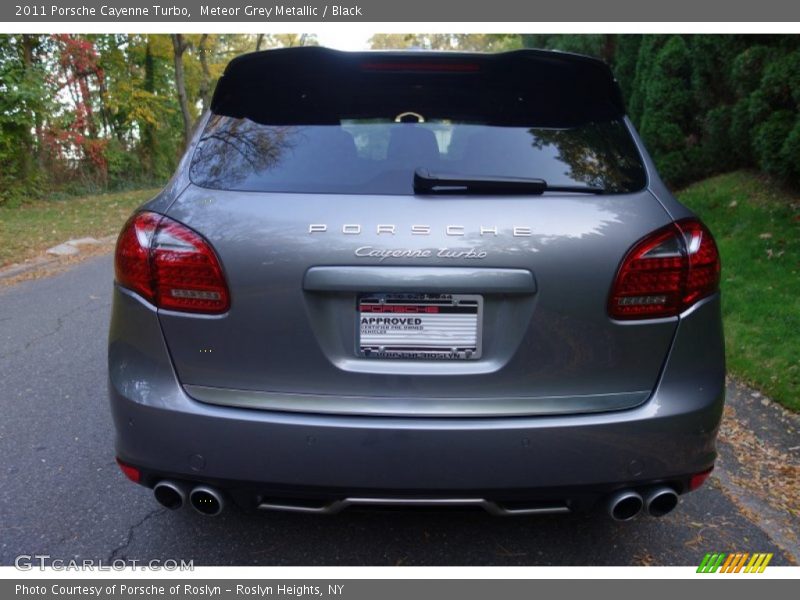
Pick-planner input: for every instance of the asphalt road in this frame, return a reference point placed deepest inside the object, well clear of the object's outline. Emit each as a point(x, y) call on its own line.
point(61, 493)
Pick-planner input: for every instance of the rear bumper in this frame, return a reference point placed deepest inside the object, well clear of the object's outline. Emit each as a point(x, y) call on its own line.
point(256, 453)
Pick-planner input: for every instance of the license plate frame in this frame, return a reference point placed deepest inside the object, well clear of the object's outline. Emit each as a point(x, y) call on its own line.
point(453, 315)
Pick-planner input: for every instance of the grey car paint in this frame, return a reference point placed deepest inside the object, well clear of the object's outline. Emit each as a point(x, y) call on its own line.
point(161, 428)
point(557, 342)
point(563, 396)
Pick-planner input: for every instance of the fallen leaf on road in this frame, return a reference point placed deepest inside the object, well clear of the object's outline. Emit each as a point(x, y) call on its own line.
point(767, 472)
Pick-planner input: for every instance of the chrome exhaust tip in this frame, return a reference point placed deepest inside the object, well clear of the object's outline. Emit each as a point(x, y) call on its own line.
point(660, 501)
point(169, 494)
point(624, 505)
point(206, 500)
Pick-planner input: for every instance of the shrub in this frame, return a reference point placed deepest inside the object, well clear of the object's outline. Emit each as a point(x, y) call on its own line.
point(768, 144)
point(667, 112)
point(790, 154)
point(747, 67)
point(718, 145)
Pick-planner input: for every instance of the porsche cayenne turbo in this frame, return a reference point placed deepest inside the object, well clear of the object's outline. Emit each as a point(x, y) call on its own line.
point(416, 278)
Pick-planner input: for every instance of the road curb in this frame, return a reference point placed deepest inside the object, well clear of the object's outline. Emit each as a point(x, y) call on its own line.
point(19, 269)
point(44, 260)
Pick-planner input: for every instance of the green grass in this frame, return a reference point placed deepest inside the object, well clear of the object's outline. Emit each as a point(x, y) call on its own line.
point(757, 228)
point(30, 229)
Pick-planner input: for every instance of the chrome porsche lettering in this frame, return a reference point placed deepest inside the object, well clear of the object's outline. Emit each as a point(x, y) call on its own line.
point(422, 229)
point(471, 253)
point(455, 230)
point(384, 253)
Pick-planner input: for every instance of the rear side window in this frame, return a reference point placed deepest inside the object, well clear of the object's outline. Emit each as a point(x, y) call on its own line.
point(368, 133)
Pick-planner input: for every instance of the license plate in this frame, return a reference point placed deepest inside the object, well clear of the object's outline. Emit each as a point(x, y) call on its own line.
point(420, 326)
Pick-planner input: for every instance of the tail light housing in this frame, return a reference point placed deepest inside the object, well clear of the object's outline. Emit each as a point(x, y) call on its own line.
point(666, 272)
point(170, 265)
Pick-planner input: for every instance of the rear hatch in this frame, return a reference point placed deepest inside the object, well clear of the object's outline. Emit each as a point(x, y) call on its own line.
point(418, 234)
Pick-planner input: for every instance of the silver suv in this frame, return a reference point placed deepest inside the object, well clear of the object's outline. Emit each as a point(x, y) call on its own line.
point(417, 278)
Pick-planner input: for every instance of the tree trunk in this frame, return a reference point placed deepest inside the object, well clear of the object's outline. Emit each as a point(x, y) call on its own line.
point(28, 150)
point(609, 48)
point(205, 80)
point(149, 139)
point(259, 39)
point(179, 46)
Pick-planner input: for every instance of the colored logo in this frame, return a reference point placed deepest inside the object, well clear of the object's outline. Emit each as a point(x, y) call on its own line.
point(738, 562)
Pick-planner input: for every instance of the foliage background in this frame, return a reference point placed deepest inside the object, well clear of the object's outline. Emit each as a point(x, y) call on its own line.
point(85, 114)
point(91, 113)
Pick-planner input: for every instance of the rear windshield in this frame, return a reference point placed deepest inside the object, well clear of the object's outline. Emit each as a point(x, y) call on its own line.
point(373, 156)
point(319, 121)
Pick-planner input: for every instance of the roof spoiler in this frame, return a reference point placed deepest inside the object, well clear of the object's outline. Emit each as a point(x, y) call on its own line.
point(287, 78)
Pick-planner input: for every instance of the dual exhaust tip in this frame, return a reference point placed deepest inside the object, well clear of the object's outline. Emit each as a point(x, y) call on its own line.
point(204, 499)
point(627, 504)
point(623, 505)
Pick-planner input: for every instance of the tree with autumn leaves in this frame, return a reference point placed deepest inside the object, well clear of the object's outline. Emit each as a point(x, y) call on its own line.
point(85, 113)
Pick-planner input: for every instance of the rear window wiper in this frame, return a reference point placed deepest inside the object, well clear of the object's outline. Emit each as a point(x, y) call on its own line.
point(426, 182)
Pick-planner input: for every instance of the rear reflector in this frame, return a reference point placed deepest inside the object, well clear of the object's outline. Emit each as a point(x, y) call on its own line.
point(130, 472)
point(698, 479)
point(170, 265)
point(666, 272)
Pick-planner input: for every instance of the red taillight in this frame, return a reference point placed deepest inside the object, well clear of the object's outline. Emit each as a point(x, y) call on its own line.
point(186, 270)
point(170, 265)
point(698, 479)
point(130, 472)
point(132, 256)
point(704, 263)
point(666, 272)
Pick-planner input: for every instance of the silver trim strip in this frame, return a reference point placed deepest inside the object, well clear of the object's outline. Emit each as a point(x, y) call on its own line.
point(492, 508)
point(416, 407)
